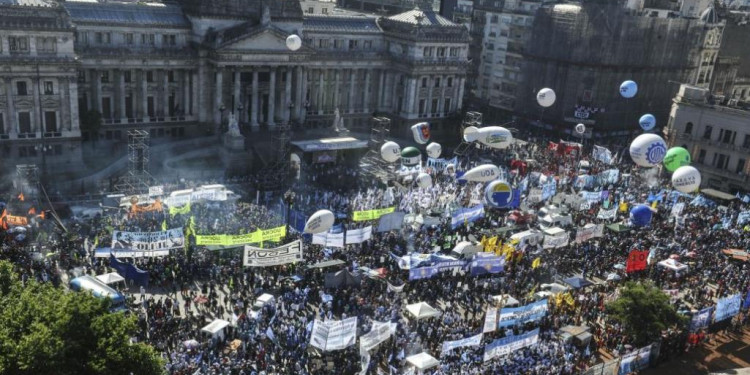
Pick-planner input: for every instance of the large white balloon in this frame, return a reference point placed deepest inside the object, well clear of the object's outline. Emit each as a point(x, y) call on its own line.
point(628, 89)
point(482, 173)
point(390, 151)
point(648, 150)
point(434, 150)
point(495, 137)
point(421, 132)
point(546, 97)
point(293, 42)
point(424, 180)
point(320, 222)
point(471, 133)
point(686, 179)
point(647, 122)
point(580, 128)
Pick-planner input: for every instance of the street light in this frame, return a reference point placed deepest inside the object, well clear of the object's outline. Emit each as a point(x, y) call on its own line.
point(289, 198)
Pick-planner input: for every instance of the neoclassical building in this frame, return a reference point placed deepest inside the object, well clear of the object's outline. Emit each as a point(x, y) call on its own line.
point(182, 68)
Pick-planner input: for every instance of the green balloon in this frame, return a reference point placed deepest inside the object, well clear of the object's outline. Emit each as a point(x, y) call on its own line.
point(676, 157)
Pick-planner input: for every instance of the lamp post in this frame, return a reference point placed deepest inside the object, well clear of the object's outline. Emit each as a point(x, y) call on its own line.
point(289, 198)
point(239, 114)
point(289, 113)
point(43, 147)
point(220, 126)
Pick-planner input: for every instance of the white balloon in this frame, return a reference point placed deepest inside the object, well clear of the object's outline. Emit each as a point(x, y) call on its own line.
point(421, 132)
point(471, 133)
point(546, 97)
point(495, 137)
point(293, 42)
point(648, 150)
point(482, 173)
point(424, 180)
point(434, 150)
point(628, 89)
point(390, 151)
point(319, 222)
point(580, 128)
point(686, 179)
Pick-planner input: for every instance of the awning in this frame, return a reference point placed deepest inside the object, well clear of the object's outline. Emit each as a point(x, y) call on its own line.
point(110, 278)
point(323, 144)
point(215, 326)
point(422, 310)
point(327, 263)
point(718, 194)
point(422, 361)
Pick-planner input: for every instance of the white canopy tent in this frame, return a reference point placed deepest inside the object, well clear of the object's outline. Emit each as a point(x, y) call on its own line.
point(422, 361)
point(509, 300)
point(216, 328)
point(422, 310)
point(673, 265)
point(110, 278)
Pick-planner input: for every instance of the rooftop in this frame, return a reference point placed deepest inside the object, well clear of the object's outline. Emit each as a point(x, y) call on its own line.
point(29, 3)
point(421, 17)
point(122, 13)
point(341, 23)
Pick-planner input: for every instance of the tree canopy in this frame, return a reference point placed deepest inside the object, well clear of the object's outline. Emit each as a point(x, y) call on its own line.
point(46, 330)
point(644, 311)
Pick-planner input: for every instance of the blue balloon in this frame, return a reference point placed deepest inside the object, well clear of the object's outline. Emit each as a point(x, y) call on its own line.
point(498, 194)
point(628, 89)
point(641, 215)
point(647, 122)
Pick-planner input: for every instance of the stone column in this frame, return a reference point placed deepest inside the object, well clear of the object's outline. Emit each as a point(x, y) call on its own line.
point(336, 99)
point(459, 103)
point(185, 92)
point(366, 100)
point(428, 100)
point(194, 99)
point(236, 95)
point(288, 95)
point(97, 99)
point(202, 103)
point(12, 123)
point(303, 95)
point(217, 98)
point(321, 90)
point(381, 91)
point(37, 113)
point(393, 90)
point(63, 92)
point(272, 99)
point(165, 94)
point(121, 94)
point(352, 100)
point(412, 108)
point(73, 96)
point(299, 100)
point(254, 114)
point(144, 96)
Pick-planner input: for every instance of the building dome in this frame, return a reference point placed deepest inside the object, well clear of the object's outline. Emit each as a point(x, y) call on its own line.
point(709, 16)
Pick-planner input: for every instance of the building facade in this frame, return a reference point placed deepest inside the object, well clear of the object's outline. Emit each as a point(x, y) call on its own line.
point(180, 69)
point(717, 137)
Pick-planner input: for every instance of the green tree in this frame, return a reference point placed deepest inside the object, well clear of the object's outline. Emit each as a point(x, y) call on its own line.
point(91, 122)
point(46, 330)
point(644, 312)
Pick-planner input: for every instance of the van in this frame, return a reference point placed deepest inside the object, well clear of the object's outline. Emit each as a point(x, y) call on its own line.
point(548, 210)
point(264, 300)
point(531, 237)
point(465, 250)
point(554, 232)
point(100, 290)
point(555, 220)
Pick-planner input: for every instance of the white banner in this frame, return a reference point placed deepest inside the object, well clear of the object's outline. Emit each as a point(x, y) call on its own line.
point(553, 242)
point(154, 191)
point(507, 345)
point(358, 235)
point(380, 332)
point(259, 257)
point(677, 209)
point(182, 199)
point(149, 243)
point(535, 196)
point(334, 334)
point(490, 320)
point(589, 231)
point(469, 341)
point(607, 214)
point(395, 289)
point(329, 239)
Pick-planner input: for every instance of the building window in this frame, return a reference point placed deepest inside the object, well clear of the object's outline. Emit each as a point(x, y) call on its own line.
point(424, 82)
point(24, 122)
point(148, 39)
point(310, 10)
point(83, 37)
point(353, 44)
point(434, 106)
point(720, 161)
point(421, 107)
point(50, 121)
point(129, 40)
point(169, 40)
point(441, 52)
point(21, 88)
point(688, 128)
point(338, 43)
point(149, 76)
point(18, 44)
point(437, 82)
point(740, 166)
point(454, 51)
point(727, 136)
point(493, 19)
point(707, 132)
point(702, 156)
point(105, 76)
point(102, 38)
point(368, 44)
point(404, 48)
point(324, 10)
point(2, 123)
point(170, 75)
point(126, 76)
point(428, 51)
point(746, 144)
point(450, 82)
point(46, 45)
point(49, 88)
point(447, 105)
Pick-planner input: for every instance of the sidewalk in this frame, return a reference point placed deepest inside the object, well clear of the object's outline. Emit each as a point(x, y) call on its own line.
point(726, 352)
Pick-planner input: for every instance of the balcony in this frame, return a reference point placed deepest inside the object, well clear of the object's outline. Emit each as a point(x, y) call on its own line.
point(725, 173)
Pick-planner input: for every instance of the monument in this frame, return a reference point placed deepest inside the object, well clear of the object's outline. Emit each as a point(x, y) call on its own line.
point(236, 159)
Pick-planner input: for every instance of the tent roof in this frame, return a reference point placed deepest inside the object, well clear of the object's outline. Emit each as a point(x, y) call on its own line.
point(617, 227)
point(578, 282)
point(422, 361)
point(215, 326)
point(327, 263)
point(509, 300)
point(110, 278)
point(422, 310)
point(337, 143)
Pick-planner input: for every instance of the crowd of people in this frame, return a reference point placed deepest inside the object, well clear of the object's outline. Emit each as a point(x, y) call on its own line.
point(191, 287)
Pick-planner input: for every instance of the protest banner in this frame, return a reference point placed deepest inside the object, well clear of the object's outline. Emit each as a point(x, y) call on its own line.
point(371, 214)
point(469, 341)
point(149, 243)
point(259, 257)
point(519, 315)
point(507, 345)
point(334, 334)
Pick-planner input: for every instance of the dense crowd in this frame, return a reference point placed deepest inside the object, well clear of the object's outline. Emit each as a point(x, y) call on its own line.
point(190, 288)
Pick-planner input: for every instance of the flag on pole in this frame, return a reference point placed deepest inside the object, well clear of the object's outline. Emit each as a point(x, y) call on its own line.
point(536, 263)
point(602, 154)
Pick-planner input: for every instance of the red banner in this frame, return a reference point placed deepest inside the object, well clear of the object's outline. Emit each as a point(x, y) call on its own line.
point(637, 260)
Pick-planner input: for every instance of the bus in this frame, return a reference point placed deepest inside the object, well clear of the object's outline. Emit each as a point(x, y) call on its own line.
point(99, 290)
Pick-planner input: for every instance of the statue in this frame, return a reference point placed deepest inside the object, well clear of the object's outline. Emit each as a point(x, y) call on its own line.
point(338, 122)
point(234, 129)
point(265, 18)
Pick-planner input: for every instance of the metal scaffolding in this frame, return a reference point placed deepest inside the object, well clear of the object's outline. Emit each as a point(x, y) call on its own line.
point(276, 175)
point(372, 163)
point(470, 119)
point(137, 178)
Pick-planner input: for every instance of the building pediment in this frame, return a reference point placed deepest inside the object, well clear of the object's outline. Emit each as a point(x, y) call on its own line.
point(267, 39)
